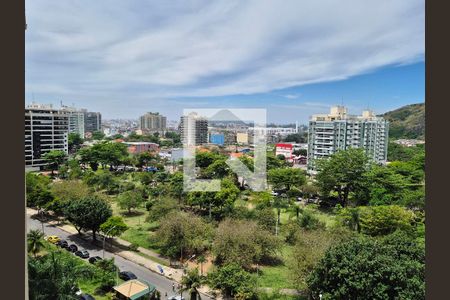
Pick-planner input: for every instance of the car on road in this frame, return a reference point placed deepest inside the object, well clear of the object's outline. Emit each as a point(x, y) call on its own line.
point(82, 253)
point(299, 199)
point(72, 248)
point(127, 275)
point(94, 259)
point(53, 239)
point(273, 193)
point(86, 297)
point(176, 297)
point(62, 243)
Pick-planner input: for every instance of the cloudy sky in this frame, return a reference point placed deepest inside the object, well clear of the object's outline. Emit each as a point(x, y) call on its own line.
point(294, 58)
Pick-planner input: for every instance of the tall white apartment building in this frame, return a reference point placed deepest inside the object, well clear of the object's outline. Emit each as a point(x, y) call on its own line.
point(193, 129)
point(76, 120)
point(46, 129)
point(329, 133)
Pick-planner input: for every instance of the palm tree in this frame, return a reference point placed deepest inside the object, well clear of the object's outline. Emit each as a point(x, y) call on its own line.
point(35, 241)
point(191, 282)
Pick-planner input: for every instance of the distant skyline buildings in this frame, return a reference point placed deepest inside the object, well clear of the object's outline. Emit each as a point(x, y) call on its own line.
point(152, 122)
point(123, 60)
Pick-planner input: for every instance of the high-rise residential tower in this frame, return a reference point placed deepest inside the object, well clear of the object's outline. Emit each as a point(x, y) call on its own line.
point(46, 129)
point(329, 133)
point(76, 120)
point(92, 121)
point(153, 122)
point(193, 129)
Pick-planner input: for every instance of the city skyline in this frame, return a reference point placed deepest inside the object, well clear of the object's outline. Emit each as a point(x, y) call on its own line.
point(123, 61)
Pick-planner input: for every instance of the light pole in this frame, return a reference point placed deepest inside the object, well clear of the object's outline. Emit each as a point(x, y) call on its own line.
point(104, 239)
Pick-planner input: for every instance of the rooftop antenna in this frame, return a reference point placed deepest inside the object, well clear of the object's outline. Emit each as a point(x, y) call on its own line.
point(342, 101)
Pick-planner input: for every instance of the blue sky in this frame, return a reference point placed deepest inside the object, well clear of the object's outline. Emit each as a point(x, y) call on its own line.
point(294, 58)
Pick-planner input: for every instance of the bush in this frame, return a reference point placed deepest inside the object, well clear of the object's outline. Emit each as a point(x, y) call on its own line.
point(133, 247)
point(309, 221)
point(367, 268)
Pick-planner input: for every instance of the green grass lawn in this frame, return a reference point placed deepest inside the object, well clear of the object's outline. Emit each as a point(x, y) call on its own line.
point(277, 276)
point(140, 231)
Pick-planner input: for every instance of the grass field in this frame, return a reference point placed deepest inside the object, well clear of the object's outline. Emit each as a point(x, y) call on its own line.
point(276, 276)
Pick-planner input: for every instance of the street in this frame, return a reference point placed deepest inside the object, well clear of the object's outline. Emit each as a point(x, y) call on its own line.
point(163, 284)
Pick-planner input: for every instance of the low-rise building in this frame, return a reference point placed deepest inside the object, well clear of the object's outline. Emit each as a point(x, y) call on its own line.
point(140, 147)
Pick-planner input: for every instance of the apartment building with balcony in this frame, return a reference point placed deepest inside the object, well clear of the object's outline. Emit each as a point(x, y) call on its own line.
point(46, 129)
point(193, 129)
point(153, 122)
point(329, 133)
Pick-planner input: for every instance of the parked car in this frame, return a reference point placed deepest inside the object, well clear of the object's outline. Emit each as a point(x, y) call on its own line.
point(274, 193)
point(72, 248)
point(127, 275)
point(82, 253)
point(94, 259)
point(299, 199)
point(176, 297)
point(53, 239)
point(86, 297)
point(62, 243)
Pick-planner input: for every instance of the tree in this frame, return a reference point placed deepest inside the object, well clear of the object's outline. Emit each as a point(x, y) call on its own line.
point(217, 169)
point(98, 135)
point(309, 248)
point(191, 282)
point(244, 243)
point(266, 219)
point(106, 273)
point(37, 191)
point(88, 213)
point(182, 234)
point(367, 268)
point(35, 241)
point(176, 186)
point(285, 178)
point(53, 276)
point(201, 259)
point(383, 220)
point(296, 137)
point(342, 172)
point(233, 281)
point(309, 190)
point(114, 226)
point(74, 141)
point(145, 158)
point(161, 208)
point(380, 186)
point(66, 191)
point(130, 200)
point(54, 159)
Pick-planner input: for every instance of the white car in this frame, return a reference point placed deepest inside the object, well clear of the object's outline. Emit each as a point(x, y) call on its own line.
point(274, 193)
point(177, 297)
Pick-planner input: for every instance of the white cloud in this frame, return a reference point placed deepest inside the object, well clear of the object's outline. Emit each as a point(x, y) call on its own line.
point(141, 49)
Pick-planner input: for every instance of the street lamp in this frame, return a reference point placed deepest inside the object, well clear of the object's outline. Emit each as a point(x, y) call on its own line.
point(104, 238)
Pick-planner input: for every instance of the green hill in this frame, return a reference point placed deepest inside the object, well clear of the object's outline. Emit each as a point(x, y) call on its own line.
point(407, 122)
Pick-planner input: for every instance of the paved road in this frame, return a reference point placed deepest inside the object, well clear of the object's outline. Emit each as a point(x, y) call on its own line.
point(162, 284)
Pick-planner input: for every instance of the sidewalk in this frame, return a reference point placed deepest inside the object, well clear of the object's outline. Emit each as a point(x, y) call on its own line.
point(118, 245)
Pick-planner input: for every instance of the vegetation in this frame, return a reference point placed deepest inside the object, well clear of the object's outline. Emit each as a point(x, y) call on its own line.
point(366, 268)
point(407, 122)
point(252, 238)
point(88, 213)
